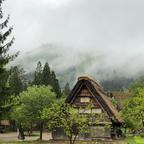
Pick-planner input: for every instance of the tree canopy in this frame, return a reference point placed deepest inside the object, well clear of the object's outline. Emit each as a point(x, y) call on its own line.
point(44, 76)
point(133, 109)
point(70, 119)
point(31, 104)
point(5, 57)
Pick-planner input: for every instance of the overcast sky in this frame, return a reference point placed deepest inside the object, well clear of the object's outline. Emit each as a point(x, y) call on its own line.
point(113, 26)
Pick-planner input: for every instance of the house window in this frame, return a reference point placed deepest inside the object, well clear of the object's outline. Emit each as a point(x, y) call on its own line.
point(94, 110)
point(76, 110)
point(85, 99)
point(84, 110)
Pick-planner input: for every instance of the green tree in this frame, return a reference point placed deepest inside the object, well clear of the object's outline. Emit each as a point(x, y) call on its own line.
point(5, 57)
point(69, 118)
point(55, 84)
point(67, 89)
point(114, 102)
point(133, 109)
point(49, 78)
point(17, 80)
point(32, 102)
point(17, 83)
point(139, 83)
point(17, 114)
point(38, 75)
point(131, 123)
point(46, 75)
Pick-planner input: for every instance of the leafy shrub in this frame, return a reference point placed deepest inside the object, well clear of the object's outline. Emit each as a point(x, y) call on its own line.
point(142, 135)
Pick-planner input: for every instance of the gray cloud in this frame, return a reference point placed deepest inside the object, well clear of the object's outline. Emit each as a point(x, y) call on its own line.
point(112, 31)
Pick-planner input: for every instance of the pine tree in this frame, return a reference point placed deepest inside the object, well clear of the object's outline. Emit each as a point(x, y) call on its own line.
point(17, 80)
point(67, 89)
point(46, 75)
point(55, 85)
point(5, 57)
point(38, 75)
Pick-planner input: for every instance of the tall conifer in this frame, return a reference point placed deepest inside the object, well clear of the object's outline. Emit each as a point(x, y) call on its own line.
point(17, 80)
point(38, 74)
point(55, 84)
point(67, 89)
point(5, 57)
point(46, 75)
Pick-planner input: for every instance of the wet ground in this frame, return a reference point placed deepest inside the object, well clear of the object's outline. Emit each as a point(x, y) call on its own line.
point(12, 137)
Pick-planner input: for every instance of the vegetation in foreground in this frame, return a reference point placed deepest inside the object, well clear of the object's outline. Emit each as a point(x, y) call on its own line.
point(31, 134)
point(60, 142)
point(29, 142)
point(135, 140)
point(129, 140)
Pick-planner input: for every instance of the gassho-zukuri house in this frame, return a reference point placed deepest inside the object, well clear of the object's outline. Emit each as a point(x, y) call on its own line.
point(88, 90)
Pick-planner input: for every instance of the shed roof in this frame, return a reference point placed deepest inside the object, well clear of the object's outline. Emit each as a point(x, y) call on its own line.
point(120, 97)
point(5, 122)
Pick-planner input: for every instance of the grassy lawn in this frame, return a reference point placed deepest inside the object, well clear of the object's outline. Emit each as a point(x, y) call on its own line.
point(33, 134)
point(29, 142)
point(135, 140)
point(130, 140)
point(78, 142)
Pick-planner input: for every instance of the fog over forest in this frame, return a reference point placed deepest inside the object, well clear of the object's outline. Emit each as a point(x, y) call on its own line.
point(99, 38)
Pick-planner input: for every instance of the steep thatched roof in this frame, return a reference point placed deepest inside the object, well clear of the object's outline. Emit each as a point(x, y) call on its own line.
point(97, 91)
point(120, 97)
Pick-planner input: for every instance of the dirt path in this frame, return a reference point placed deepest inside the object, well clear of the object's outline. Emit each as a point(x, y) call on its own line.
point(12, 136)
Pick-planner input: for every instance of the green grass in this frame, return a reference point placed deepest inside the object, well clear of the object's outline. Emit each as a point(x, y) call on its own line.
point(135, 140)
point(29, 142)
point(130, 141)
point(33, 134)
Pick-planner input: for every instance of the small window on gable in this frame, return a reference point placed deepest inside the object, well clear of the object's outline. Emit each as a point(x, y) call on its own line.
point(94, 110)
point(85, 99)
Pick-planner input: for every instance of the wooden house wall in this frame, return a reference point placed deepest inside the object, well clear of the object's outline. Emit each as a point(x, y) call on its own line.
point(84, 93)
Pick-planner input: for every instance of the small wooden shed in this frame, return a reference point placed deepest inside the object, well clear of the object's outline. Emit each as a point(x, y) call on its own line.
point(5, 122)
point(120, 97)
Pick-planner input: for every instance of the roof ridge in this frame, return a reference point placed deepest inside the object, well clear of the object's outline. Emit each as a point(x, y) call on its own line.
point(90, 79)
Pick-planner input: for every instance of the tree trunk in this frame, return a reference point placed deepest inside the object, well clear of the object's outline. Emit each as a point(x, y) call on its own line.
point(31, 128)
point(143, 123)
point(74, 139)
point(13, 125)
point(28, 132)
point(41, 130)
point(70, 139)
point(125, 131)
point(21, 133)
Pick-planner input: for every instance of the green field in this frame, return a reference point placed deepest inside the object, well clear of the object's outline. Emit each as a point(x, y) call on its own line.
point(135, 140)
point(130, 140)
point(30, 142)
point(78, 142)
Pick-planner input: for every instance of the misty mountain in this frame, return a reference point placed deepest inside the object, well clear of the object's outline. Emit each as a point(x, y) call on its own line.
point(69, 63)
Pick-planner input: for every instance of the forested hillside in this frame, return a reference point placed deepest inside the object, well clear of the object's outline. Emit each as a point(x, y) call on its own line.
point(117, 84)
point(68, 66)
